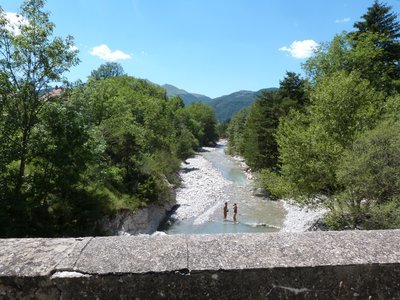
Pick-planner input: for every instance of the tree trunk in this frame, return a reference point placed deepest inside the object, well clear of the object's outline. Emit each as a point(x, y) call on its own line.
point(22, 164)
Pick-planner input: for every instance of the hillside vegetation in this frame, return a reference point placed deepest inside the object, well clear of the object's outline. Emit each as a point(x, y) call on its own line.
point(225, 106)
point(187, 98)
point(69, 158)
point(333, 137)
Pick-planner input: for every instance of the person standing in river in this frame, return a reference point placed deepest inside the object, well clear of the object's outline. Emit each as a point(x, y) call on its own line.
point(225, 210)
point(234, 212)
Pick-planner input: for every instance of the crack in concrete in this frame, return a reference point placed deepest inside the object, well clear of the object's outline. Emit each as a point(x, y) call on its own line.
point(56, 267)
point(80, 252)
point(295, 291)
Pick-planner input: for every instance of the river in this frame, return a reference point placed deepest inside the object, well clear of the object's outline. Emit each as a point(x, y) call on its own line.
point(211, 178)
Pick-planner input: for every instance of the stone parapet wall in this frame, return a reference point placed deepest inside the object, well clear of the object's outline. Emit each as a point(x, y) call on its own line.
point(310, 265)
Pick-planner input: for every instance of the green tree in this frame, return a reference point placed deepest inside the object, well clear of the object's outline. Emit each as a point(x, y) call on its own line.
point(203, 123)
point(109, 69)
point(184, 142)
point(293, 87)
point(370, 169)
point(30, 60)
point(260, 149)
point(132, 116)
point(222, 128)
point(235, 132)
point(252, 131)
point(382, 22)
point(344, 54)
point(369, 173)
point(373, 49)
point(380, 19)
point(345, 104)
point(102, 146)
point(307, 156)
point(311, 143)
point(337, 148)
point(66, 148)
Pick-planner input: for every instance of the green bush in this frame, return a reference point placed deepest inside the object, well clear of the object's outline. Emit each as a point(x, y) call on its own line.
point(275, 184)
point(346, 215)
point(369, 175)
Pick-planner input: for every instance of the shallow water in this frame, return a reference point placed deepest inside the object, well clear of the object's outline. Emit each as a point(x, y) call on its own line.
point(255, 214)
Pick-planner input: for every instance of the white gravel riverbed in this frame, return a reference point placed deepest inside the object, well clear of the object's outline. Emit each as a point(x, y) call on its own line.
point(203, 188)
point(298, 218)
point(201, 191)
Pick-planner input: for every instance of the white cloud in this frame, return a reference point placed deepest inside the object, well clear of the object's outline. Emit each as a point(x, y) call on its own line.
point(104, 52)
point(73, 48)
point(345, 20)
point(301, 49)
point(15, 21)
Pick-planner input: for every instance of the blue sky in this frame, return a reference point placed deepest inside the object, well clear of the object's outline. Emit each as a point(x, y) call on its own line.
point(211, 47)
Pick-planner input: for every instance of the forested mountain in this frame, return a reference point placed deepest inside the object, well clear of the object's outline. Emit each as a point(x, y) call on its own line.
point(187, 97)
point(225, 106)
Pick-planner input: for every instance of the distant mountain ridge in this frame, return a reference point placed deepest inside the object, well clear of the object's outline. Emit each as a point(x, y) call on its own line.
point(225, 106)
point(188, 98)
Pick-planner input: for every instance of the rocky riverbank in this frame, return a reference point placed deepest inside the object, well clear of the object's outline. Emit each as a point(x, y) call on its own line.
point(145, 220)
point(203, 187)
point(201, 190)
point(201, 193)
point(298, 218)
point(142, 221)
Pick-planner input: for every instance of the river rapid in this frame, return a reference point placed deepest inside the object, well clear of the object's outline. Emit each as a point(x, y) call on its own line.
point(212, 177)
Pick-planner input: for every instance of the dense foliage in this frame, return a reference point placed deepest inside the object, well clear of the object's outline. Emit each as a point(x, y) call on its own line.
point(334, 137)
point(68, 159)
point(226, 106)
point(107, 70)
point(251, 133)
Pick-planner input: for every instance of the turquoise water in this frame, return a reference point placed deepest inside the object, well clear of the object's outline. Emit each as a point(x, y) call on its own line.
point(254, 214)
point(228, 167)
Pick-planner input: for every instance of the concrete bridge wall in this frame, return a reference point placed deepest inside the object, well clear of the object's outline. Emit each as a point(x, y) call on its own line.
point(310, 265)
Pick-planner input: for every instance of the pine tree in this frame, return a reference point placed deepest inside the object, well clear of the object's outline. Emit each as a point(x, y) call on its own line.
point(382, 22)
point(292, 86)
point(379, 19)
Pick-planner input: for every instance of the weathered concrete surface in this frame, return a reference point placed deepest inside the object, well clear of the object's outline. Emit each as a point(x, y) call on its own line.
point(252, 251)
point(36, 257)
point(141, 254)
point(312, 265)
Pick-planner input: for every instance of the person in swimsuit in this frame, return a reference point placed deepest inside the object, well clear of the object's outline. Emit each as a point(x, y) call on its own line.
point(225, 210)
point(234, 212)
